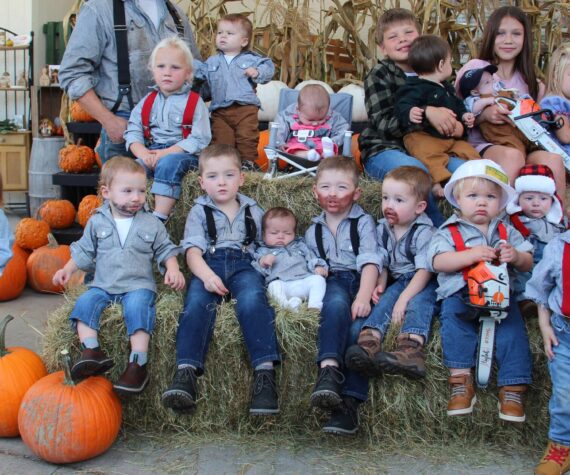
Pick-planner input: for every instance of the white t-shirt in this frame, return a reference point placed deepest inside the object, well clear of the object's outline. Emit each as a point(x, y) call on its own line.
point(123, 226)
point(151, 9)
point(229, 58)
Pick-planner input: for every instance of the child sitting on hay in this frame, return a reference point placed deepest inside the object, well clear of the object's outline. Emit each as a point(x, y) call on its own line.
point(292, 271)
point(120, 240)
point(218, 240)
point(405, 232)
point(344, 236)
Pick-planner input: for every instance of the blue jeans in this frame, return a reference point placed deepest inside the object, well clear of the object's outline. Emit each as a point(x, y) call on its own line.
point(419, 311)
point(169, 172)
point(559, 368)
point(256, 317)
point(521, 278)
point(460, 337)
point(139, 311)
point(334, 327)
point(378, 165)
point(107, 149)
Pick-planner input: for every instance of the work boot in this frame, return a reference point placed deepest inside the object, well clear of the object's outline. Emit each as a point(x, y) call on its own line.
point(556, 460)
point(327, 389)
point(511, 404)
point(462, 397)
point(133, 380)
point(362, 356)
point(344, 418)
point(264, 393)
point(181, 395)
point(93, 361)
point(408, 358)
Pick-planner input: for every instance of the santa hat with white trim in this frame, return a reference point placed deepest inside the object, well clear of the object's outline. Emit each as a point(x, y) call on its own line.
point(538, 178)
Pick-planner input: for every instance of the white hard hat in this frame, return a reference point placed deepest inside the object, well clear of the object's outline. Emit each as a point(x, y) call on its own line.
point(480, 168)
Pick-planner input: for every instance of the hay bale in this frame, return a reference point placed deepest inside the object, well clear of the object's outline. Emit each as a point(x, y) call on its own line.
point(399, 410)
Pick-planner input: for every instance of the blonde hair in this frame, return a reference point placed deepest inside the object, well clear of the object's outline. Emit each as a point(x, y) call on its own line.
point(342, 164)
point(118, 164)
point(173, 42)
point(316, 97)
point(556, 66)
point(459, 185)
point(417, 179)
point(217, 151)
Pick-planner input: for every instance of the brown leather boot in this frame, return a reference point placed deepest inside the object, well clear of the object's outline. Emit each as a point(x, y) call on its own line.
point(511, 403)
point(408, 358)
point(463, 396)
point(556, 460)
point(361, 357)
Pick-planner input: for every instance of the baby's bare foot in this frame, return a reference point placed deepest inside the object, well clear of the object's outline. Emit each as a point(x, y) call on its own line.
point(437, 191)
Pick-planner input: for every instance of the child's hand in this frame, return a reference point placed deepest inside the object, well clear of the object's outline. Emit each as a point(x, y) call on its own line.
point(61, 277)
point(482, 253)
point(320, 270)
point(399, 310)
point(377, 293)
point(267, 261)
point(174, 279)
point(507, 253)
point(549, 340)
point(215, 285)
point(251, 73)
point(416, 115)
point(149, 159)
point(360, 307)
point(469, 119)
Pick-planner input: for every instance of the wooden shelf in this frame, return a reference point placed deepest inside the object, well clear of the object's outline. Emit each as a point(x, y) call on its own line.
point(14, 48)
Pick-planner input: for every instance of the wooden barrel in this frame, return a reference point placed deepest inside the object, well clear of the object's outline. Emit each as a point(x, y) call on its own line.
point(43, 164)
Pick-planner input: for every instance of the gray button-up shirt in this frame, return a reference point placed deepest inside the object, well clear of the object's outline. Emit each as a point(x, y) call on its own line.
point(228, 83)
point(6, 241)
point(338, 249)
point(540, 228)
point(90, 59)
point(120, 269)
point(452, 282)
point(293, 261)
point(229, 235)
point(545, 285)
point(166, 123)
point(398, 261)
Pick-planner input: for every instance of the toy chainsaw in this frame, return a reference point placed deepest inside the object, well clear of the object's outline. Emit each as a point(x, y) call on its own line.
point(488, 291)
point(534, 123)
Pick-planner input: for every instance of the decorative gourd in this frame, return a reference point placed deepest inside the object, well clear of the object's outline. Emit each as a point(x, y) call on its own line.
point(78, 114)
point(13, 279)
point(20, 368)
point(76, 159)
point(358, 107)
point(44, 263)
point(63, 421)
point(59, 214)
point(87, 207)
point(31, 233)
point(98, 160)
point(268, 95)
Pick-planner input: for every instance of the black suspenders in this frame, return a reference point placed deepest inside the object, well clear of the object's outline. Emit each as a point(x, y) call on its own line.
point(354, 238)
point(250, 228)
point(408, 243)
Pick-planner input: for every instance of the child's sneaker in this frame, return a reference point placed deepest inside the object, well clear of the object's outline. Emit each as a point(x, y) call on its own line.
point(511, 405)
point(133, 380)
point(181, 395)
point(327, 389)
point(408, 358)
point(556, 460)
point(344, 418)
point(362, 356)
point(264, 393)
point(463, 396)
point(93, 361)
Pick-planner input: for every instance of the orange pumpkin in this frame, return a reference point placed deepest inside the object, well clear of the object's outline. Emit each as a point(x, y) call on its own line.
point(76, 159)
point(78, 114)
point(59, 214)
point(31, 233)
point(63, 421)
point(23, 253)
point(13, 279)
point(356, 152)
point(262, 160)
point(20, 368)
point(44, 263)
point(97, 157)
point(87, 207)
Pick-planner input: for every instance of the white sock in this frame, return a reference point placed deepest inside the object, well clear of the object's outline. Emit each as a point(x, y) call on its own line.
point(294, 303)
point(313, 155)
point(328, 147)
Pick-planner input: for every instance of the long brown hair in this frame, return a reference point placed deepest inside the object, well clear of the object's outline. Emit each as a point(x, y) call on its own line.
point(523, 62)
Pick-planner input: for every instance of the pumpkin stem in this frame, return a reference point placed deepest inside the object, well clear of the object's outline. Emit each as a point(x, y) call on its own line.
point(66, 362)
point(52, 243)
point(3, 325)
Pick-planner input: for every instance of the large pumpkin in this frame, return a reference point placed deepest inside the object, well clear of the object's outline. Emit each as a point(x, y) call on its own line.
point(63, 421)
point(87, 207)
point(76, 159)
point(13, 279)
point(20, 368)
point(78, 114)
point(23, 253)
point(59, 214)
point(44, 263)
point(31, 233)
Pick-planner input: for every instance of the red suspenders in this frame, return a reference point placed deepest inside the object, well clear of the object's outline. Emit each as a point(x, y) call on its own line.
point(566, 280)
point(519, 226)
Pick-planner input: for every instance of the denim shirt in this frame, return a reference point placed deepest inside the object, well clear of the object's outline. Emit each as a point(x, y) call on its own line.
point(398, 262)
point(120, 269)
point(452, 282)
point(90, 58)
point(229, 235)
point(540, 229)
point(293, 261)
point(228, 83)
point(545, 285)
point(6, 241)
point(338, 248)
point(165, 123)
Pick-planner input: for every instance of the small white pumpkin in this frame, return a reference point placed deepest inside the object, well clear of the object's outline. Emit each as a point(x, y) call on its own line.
point(268, 95)
point(358, 106)
point(301, 85)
